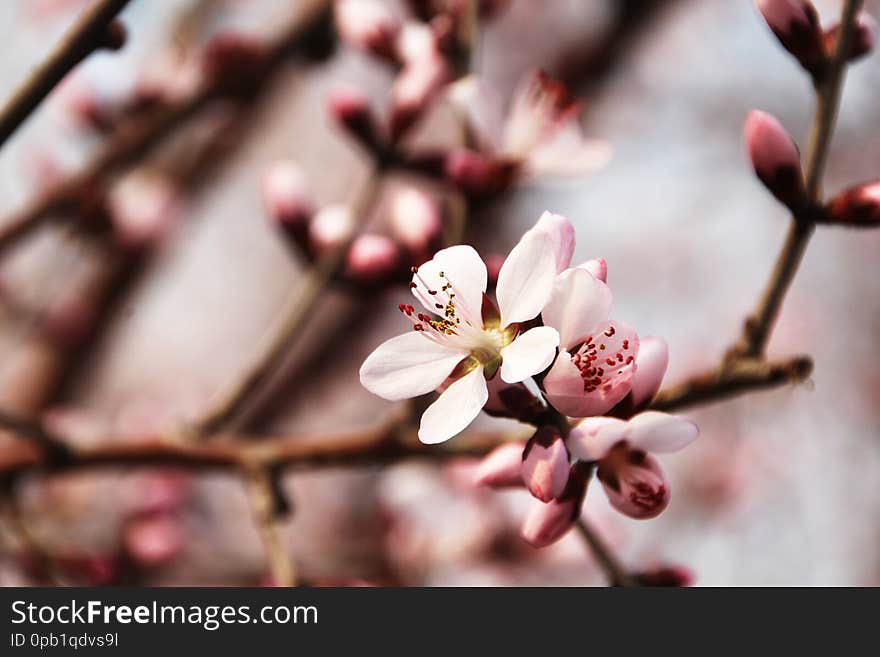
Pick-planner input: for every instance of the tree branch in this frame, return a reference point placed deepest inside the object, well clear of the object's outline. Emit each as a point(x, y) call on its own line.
point(91, 32)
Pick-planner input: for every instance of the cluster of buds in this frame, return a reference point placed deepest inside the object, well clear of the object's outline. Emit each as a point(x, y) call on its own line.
point(797, 26)
point(413, 222)
point(776, 161)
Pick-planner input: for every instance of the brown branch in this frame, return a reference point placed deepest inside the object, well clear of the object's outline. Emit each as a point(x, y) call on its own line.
point(269, 514)
point(740, 377)
point(92, 31)
point(759, 325)
point(137, 138)
point(617, 574)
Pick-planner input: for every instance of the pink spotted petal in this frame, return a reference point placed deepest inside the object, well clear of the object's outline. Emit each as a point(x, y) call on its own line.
point(651, 366)
point(578, 306)
point(463, 269)
point(635, 484)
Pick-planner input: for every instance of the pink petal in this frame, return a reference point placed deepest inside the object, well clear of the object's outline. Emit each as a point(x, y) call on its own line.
point(578, 306)
point(547, 523)
point(634, 483)
point(526, 278)
point(415, 218)
point(594, 437)
point(775, 158)
point(530, 353)
point(598, 268)
point(455, 409)
point(463, 269)
point(568, 154)
point(651, 366)
point(545, 466)
point(407, 366)
point(502, 467)
point(561, 234)
point(653, 431)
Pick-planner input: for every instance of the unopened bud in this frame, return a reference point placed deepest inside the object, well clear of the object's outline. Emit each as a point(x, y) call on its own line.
point(666, 576)
point(545, 465)
point(416, 220)
point(368, 24)
point(144, 209)
point(796, 24)
point(775, 159)
point(330, 227)
point(152, 540)
point(285, 196)
point(863, 39)
point(413, 92)
point(547, 523)
point(502, 467)
point(350, 108)
point(372, 258)
point(857, 207)
point(232, 61)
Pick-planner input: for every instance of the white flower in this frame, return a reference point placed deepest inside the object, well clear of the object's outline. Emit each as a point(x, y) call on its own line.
point(463, 337)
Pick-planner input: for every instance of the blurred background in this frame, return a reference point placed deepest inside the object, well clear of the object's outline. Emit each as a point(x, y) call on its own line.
point(781, 488)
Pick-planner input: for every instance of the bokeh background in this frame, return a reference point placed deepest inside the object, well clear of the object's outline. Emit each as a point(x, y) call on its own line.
point(781, 488)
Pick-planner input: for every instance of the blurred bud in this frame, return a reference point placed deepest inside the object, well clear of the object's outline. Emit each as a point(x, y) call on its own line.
point(350, 108)
point(372, 258)
point(285, 197)
point(633, 482)
point(545, 465)
point(368, 24)
point(330, 227)
point(417, 43)
point(477, 175)
point(416, 220)
point(651, 362)
point(152, 540)
point(598, 268)
point(493, 267)
point(233, 60)
point(666, 576)
point(70, 318)
point(159, 493)
point(863, 39)
point(413, 92)
point(796, 24)
point(857, 207)
point(502, 467)
point(144, 207)
point(775, 159)
point(95, 569)
point(115, 36)
point(547, 523)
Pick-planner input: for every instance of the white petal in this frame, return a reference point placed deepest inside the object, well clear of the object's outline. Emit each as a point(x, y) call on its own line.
point(578, 307)
point(561, 233)
point(455, 409)
point(526, 278)
point(530, 353)
point(594, 437)
point(407, 366)
point(464, 270)
point(654, 431)
point(568, 154)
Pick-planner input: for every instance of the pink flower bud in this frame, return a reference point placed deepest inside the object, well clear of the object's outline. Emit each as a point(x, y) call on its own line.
point(598, 268)
point(477, 175)
point(651, 362)
point(413, 92)
point(70, 318)
point(368, 24)
point(545, 465)
point(502, 467)
point(415, 220)
point(330, 227)
point(634, 483)
point(796, 24)
point(857, 207)
point(547, 523)
point(372, 258)
point(350, 108)
point(152, 540)
point(863, 39)
point(144, 209)
point(285, 196)
point(666, 576)
point(775, 159)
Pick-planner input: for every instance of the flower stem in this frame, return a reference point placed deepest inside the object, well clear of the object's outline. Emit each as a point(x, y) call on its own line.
point(617, 574)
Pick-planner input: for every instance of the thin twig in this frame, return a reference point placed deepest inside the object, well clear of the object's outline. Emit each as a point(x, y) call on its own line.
point(759, 325)
point(136, 138)
point(91, 32)
point(617, 574)
point(268, 512)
